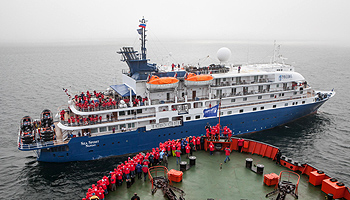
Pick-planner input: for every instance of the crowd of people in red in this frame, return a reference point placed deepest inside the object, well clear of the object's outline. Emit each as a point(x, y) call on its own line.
point(214, 132)
point(82, 120)
point(84, 102)
point(140, 164)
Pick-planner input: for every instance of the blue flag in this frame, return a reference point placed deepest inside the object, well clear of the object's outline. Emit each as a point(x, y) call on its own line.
point(211, 112)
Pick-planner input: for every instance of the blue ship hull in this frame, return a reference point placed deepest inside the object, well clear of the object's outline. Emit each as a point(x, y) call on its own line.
point(91, 148)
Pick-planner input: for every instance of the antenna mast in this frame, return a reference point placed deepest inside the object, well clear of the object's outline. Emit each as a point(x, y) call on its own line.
point(142, 32)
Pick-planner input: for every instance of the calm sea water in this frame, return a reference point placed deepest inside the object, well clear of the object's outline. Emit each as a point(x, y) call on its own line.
point(32, 78)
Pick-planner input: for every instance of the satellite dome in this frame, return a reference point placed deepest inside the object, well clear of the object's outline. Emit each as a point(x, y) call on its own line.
point(223, 54)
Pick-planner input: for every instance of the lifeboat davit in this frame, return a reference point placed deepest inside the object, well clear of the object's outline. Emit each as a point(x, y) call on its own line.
point(193, 79)
point(160, 83)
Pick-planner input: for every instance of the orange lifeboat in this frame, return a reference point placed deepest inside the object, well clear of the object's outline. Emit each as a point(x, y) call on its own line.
point(193, 79)
point(159, 83)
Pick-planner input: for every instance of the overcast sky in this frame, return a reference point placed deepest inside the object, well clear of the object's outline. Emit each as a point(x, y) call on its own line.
point(105, 20)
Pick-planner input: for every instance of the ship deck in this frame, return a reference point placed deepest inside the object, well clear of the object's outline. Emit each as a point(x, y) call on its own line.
point(206, 180)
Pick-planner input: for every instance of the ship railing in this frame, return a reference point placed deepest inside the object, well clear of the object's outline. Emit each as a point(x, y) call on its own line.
point(264, 102)
point(131, 117)
point(242, 82)
point(112, 107)
point(110, 132)
point(36, 145)
point(198, 98)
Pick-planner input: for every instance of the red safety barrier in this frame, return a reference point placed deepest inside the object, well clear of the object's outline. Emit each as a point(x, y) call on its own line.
point(257, 148)
point(234, 144)
point(251, 146)
point(263, 150)
point(289, 165)
point(307, 169)
point(347, 194)
point(333, 187)
point(316, 177)
point(246, 146)
point(274, 152)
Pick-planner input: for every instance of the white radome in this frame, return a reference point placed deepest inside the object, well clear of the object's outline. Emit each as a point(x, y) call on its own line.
point(223, 54)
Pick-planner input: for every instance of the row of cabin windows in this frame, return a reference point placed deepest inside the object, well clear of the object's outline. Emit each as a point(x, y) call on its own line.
point(110, 128)
point(260, 97)
point(196, 117)
point(130, 112)
point(262, 108)
point(238, 79)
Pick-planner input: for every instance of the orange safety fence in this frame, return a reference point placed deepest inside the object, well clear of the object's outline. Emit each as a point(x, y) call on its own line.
point(290, 177)
point(249, 146)
point(155, 171)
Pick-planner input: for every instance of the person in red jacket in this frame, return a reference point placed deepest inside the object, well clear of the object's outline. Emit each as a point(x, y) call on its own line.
point(173, 149)
point(132, 168)
point(198, 143)
point(156, 156)
point(188, 149)
point(119, 175)
point(168, 147)
point(178, 156)
point(227, 153)
point(145, 170)
point(113, 180)
point(229, 135)
point(211, 148)
point(240, 144)
point(213, 132)
point(127, 171)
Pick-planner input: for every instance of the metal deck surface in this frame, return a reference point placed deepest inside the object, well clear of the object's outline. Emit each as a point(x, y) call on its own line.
point(206, 180)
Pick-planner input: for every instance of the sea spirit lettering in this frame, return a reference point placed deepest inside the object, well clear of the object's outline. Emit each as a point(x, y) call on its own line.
point(90, 143)
point(286, 76)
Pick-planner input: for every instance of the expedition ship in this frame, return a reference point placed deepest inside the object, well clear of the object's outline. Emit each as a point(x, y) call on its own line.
point(156, 104)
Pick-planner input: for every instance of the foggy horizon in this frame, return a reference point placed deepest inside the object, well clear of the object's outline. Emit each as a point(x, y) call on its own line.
point(50, 21)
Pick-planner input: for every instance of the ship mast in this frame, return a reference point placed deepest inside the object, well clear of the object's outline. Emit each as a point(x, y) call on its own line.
point(142, 32)
point(138, 64)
